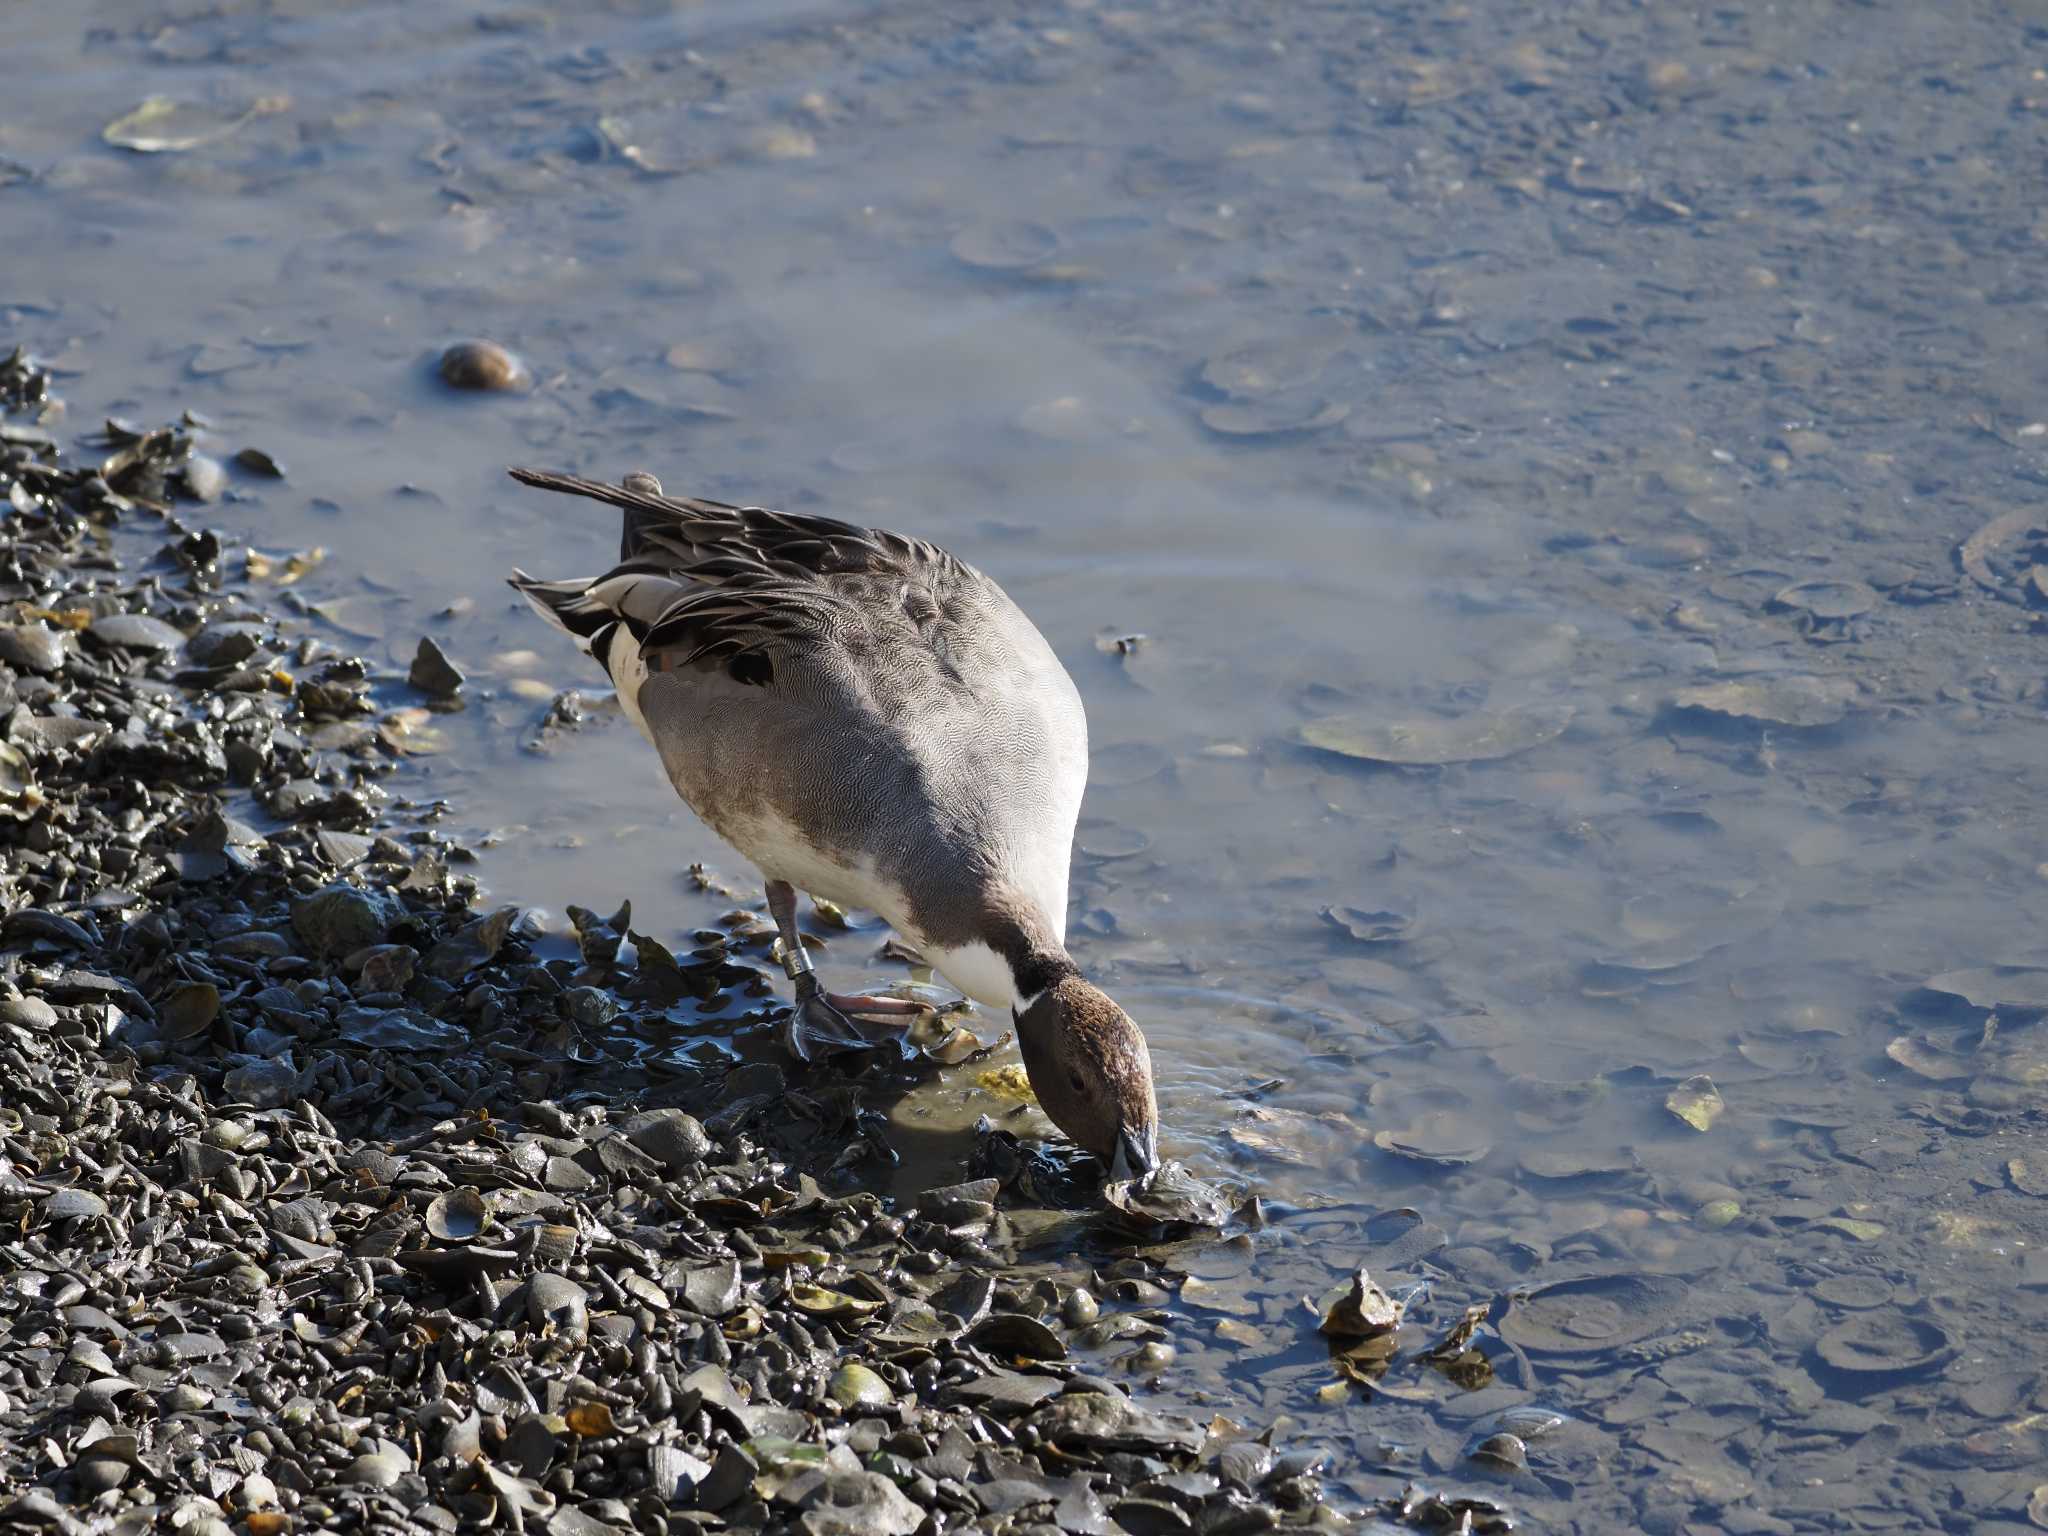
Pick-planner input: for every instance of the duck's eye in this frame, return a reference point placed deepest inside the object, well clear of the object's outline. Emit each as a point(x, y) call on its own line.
point(1074, 1081)
point(751, 668)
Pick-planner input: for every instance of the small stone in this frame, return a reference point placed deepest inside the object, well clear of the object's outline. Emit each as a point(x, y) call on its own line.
point(342, 919)
point(1149, 1517)
point(29, 1012)
point(1716, 1214)
point(203, 477)
point(858, 1504)
point(378, 1469)
point(137, 632)
point(96, 1474)
point(32, 648)
point(432, 672)
point(483, 365)
point(853, 1385)
point(74, 1205)
point(1005, 1391)
point(671, 1137)
point(557, 1302)
point(268, 1084)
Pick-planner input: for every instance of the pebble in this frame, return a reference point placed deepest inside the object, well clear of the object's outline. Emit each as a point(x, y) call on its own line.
point(482, 365)
point(344, 918)
point(29, 1012)
point(32, 648)
point(378, 1469)
point(432, 672)
point(137, 632)
point(855, 1386)
point(556, 1302)
point(671, 1136)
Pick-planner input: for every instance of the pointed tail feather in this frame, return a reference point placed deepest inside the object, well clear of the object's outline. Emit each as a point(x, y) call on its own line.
point(638, 496)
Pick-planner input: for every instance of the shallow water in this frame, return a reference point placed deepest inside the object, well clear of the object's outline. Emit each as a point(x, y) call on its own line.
point(1389, 362)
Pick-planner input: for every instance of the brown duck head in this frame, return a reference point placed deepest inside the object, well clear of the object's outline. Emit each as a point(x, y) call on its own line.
point(1092, 1073)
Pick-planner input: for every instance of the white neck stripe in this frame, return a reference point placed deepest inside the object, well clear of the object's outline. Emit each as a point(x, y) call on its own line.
point(1024, 1005)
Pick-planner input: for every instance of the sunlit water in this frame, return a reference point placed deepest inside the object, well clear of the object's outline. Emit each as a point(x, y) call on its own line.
point(1406, 364)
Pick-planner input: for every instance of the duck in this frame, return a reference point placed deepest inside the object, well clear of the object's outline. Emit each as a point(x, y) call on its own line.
point(866, 717)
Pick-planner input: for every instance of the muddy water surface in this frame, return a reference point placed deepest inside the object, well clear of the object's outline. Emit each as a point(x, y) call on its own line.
point(1536, 448)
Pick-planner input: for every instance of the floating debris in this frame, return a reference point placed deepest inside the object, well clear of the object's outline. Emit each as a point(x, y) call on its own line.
point(1455, 1354)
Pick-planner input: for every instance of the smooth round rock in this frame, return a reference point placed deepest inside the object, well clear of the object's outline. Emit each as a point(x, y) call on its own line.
point(29, 1012)
point(31, 648)
point(226, 643)
point(377, 1469)
point(558, 1301)
point(137, 632)
point(671, 1137)
point(96, 1474)
point(853, 1385)
point(482, 365)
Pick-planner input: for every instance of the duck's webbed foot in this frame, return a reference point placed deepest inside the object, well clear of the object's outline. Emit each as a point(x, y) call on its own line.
point(817, 1027)
point(823, 1023)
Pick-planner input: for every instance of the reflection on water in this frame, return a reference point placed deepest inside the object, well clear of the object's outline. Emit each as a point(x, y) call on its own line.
point(1404, 368)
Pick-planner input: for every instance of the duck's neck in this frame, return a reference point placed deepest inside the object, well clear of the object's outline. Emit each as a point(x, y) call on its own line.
point(1030, 946)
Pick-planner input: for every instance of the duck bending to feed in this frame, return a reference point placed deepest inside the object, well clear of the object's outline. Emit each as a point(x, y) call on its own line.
point(869, 719)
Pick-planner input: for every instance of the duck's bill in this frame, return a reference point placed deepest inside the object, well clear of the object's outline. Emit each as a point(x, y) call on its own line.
point(1136, 1156)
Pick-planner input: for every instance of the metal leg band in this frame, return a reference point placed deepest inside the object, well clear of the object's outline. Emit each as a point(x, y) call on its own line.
point(796, 960)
